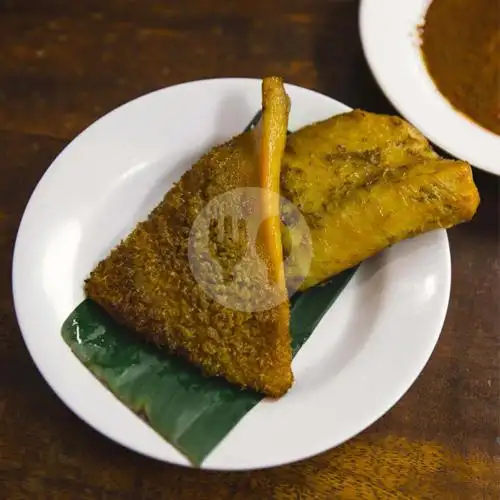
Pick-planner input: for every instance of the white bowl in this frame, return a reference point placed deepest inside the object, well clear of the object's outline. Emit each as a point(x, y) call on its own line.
point(390, 41)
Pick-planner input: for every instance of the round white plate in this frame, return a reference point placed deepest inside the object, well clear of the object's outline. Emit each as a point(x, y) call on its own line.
point(391, 45)
point(361, 359)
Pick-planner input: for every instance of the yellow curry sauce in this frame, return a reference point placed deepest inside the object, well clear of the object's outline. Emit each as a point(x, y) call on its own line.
point(461, 48)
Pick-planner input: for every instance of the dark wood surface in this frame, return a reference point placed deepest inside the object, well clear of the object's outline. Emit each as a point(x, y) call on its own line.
point(62, 65)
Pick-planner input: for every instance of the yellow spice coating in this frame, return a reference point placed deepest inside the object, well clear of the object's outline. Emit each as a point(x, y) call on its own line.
point(364, 182)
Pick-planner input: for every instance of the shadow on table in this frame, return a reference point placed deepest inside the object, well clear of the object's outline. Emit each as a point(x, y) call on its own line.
point(342, 70)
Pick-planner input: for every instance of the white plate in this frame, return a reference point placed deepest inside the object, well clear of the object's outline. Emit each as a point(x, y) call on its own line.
point(390, 42)
point(362, 357)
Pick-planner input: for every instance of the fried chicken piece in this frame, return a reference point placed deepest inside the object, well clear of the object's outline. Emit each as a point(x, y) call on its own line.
point(161, 281)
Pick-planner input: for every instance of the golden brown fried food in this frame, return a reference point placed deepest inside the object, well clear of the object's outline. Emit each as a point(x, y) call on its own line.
point(147, 282)
point(365, 182)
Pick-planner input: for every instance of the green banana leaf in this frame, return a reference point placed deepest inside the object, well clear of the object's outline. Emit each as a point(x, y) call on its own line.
point(190, 411)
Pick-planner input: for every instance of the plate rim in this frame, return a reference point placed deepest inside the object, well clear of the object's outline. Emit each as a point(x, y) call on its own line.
point(384, 81)
point(438, 322)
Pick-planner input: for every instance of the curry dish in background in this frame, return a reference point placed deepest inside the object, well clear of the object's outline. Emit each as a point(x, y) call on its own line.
point(461, 49)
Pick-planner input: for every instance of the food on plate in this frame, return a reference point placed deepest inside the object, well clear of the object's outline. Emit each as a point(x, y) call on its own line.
point(461, 49)
point(205, 276)
point(364, 182)
point(147, 282)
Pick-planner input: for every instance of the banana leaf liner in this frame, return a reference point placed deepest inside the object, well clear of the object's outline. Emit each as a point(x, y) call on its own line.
point(192, 412)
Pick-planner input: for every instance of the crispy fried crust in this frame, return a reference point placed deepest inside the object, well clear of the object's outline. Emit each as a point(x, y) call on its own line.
point(147, 284)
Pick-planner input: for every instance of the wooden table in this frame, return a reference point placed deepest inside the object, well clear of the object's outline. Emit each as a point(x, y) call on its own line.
point(62, 65)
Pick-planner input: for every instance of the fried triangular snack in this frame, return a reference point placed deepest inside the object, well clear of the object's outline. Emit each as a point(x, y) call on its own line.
point(203, 275)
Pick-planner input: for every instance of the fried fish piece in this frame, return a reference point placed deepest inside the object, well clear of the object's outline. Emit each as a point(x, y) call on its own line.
point(158, 280)
point(327, 159)
point(364, 182)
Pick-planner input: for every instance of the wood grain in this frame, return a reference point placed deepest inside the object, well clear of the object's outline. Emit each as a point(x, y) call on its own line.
point(62, 65)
